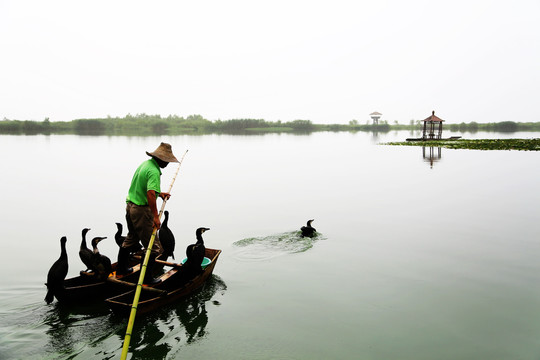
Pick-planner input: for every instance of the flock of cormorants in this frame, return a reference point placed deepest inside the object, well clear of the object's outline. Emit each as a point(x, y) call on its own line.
point(99, 265)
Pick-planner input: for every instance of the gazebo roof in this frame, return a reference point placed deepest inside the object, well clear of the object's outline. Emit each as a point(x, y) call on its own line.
point(433, 118)
point(375, 113)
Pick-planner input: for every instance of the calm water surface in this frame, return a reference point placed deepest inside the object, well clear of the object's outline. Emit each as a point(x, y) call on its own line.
point(416, 258)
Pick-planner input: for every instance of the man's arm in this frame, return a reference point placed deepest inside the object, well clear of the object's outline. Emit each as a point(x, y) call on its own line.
point(151, 196)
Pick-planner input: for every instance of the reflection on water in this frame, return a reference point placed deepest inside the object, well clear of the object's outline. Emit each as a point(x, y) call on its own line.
point(267, 247)
point(158, 334)
point(78, 330)
point(432, 155)
point(57, 332)
point(94, 332)
point(192, 312)
point(147, 341)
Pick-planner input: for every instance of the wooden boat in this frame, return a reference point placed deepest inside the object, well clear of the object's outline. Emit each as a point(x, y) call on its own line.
point(451, 138)
point(85, 289)
point(171, 288)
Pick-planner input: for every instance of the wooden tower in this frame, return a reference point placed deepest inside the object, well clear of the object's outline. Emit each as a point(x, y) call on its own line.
point(375, 116)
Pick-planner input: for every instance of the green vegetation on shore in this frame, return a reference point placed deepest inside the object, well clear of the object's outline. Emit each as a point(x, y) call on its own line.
point(477, 144)
point(145, 125)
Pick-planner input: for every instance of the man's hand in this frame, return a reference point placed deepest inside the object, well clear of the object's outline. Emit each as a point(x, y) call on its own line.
point(157, 223)
point(164, 196)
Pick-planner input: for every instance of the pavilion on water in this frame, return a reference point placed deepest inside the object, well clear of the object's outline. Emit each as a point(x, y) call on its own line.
point(432, 127)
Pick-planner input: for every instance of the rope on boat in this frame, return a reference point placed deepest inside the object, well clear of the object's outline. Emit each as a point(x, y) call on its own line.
point(127, 339)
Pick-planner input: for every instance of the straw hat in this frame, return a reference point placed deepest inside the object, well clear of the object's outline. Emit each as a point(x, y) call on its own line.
point(164, 153)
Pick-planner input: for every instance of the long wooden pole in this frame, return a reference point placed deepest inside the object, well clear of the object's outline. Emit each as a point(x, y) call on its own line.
point(127, 339)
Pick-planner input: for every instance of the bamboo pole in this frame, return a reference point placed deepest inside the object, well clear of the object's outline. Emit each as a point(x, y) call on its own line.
point(131, 321)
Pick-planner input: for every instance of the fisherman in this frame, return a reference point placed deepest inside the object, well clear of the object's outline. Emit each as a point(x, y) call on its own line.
point(141, 210)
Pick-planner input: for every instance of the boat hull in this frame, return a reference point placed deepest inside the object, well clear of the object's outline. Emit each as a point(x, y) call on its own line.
point(174, 288)
point(84, 289)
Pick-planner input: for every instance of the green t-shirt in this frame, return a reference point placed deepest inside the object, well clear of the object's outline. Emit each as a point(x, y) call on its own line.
point(146, 177)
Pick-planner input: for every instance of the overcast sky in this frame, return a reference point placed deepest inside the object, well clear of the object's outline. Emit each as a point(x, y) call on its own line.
point(324, 61)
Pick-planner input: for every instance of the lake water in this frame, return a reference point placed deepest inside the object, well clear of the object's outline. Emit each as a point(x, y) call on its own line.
point(415, 258)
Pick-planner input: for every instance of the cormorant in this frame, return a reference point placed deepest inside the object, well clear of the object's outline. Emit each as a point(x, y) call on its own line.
point(101, 264)
point(57, 272)
point(85, 253)
point(166, 238)
point(122, 267)
point(195, 253)
point(308, 230)
point(118, 236)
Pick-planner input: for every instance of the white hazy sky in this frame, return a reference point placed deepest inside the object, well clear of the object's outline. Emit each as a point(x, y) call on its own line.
point(324, 61)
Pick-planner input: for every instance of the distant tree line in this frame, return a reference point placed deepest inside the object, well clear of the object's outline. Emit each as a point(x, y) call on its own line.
point(504, 126)
point(143, 124)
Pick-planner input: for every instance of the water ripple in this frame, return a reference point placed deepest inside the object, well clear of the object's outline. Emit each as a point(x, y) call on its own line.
point(268, 247)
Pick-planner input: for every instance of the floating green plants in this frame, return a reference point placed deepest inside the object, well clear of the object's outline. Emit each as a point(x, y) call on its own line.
point(477, 144)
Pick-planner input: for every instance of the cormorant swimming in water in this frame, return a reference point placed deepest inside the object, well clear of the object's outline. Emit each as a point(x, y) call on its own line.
point(166, 238)
point(57, 272)
point(85, 253)
point(101, 264)
point(308, 230)
point(195, 253)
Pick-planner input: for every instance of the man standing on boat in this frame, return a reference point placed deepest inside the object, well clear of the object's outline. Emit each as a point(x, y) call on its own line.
point(141, 209)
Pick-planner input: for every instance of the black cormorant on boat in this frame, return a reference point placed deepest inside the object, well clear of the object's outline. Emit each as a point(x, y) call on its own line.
point(101, 264)
point(308, 230)
point(57, 273)
point(118, 237)
point(195, 253)
point(166, 238)
point(85, 253)
point(124, 254)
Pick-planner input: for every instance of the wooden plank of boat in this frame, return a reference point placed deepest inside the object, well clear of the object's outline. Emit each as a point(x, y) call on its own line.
point(150, 301)
point(162, 262)
point(85, 289)
point(116, 281)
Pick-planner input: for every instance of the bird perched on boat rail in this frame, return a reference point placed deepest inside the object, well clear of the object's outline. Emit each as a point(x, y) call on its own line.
point(101, 264)
point(85, 253)
point(195, 254)
point(308, 230)
point(118, 237)
point(57, 273)
point(123, 267)
point(166, 238)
